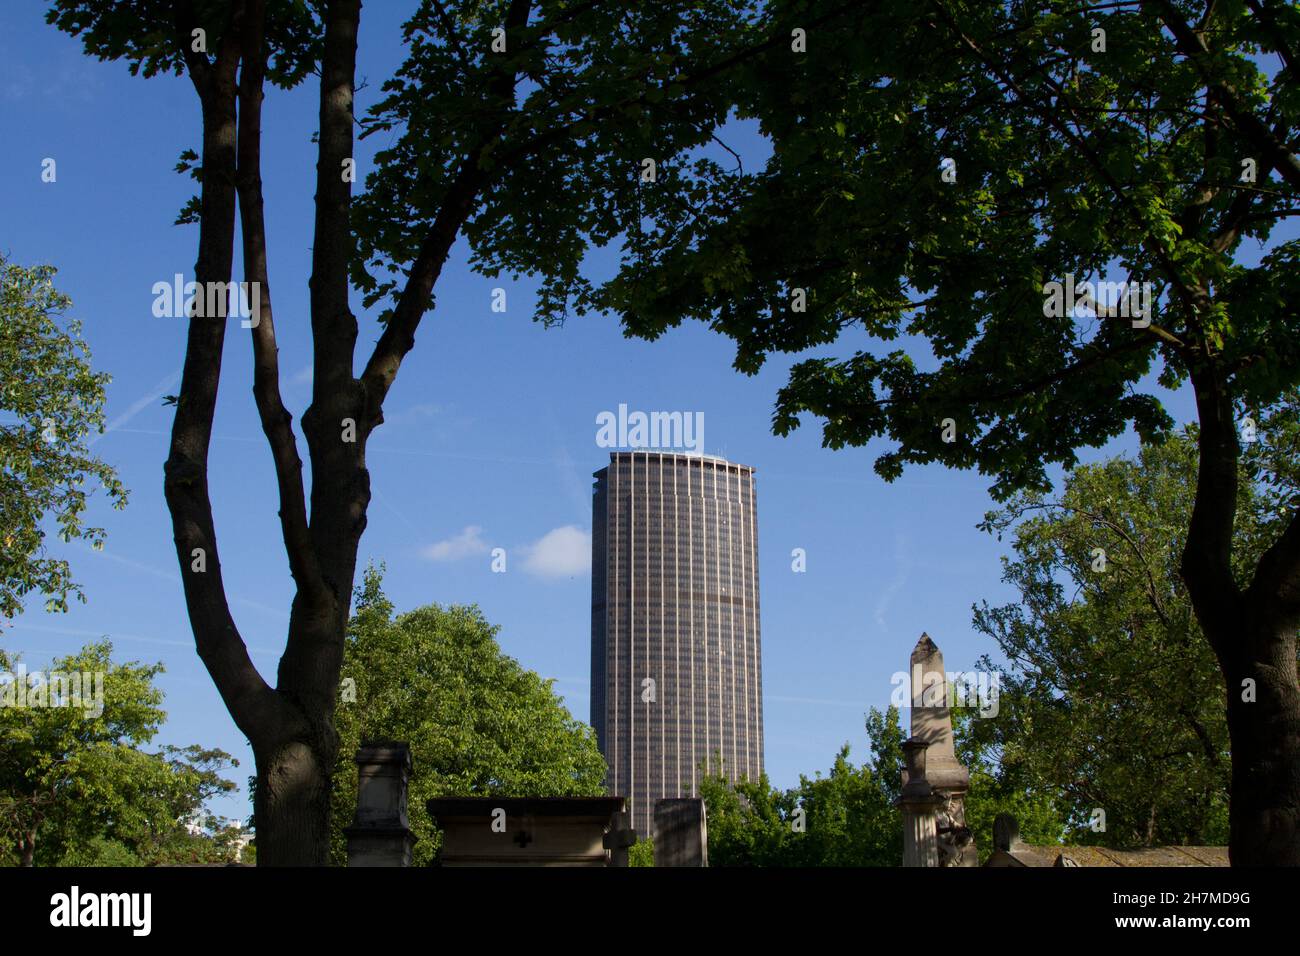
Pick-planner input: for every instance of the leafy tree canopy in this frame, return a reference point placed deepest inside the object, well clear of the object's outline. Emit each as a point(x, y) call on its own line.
point(1069, 160)
point(650, 72)
point(155, 36)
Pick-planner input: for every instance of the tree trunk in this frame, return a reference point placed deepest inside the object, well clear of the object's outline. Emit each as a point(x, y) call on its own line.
point(1253, 634)
point(291, 806)
point(1264, 818)
point(27, 848)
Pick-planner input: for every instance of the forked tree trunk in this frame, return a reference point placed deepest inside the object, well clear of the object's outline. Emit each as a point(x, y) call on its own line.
point(291, 726)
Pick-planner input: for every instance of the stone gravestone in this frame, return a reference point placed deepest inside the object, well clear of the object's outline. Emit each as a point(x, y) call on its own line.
point(619, 838)
point(380, 834)
point(1010, 851)
point(932, 723)
point(681, 832)
point(1006, 833)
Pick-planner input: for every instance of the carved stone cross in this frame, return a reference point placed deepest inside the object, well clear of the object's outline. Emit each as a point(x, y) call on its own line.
point(618, 838)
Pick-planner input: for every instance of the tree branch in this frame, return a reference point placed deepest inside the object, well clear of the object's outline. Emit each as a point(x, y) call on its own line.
point(196, 64)
point(398, 337)
point(1276, 586)
point(276, 421)
point(1207, 553)
point(334, 328)
point(1192, 45)
point(1264, 15)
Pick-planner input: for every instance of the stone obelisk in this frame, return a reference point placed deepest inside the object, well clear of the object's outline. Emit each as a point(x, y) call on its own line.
point(932, 723)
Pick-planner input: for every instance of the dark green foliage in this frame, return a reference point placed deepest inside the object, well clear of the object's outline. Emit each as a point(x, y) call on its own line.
point(152, 35)
point(603, 87)
point(932, 292)
point(1000, 786)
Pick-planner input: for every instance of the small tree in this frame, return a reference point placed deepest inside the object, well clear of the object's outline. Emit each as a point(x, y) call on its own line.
point(999, 784)
point(1114, 699)
point(641, 853)
point(71, 769)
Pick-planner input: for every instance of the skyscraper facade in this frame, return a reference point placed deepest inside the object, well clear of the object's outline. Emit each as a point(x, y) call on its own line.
point(676, 671)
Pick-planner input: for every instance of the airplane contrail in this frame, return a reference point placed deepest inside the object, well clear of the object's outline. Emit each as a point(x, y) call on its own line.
point(140, 405)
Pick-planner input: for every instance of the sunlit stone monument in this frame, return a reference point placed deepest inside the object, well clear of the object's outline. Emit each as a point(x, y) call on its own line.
point(380, 834)
point(949, 780)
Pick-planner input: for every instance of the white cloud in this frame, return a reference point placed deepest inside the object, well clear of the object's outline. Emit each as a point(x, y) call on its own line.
point(563, 552)
point(468, 542)
point(423, 412)
point(304, 376)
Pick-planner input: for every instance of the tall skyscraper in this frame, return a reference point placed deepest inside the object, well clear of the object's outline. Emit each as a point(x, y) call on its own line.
point(676, 672)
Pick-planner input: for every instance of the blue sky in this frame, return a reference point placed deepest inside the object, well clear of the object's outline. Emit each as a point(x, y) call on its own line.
point(490, 439)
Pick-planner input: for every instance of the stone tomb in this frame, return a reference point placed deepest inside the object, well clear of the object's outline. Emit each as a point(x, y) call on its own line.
point(538, 831)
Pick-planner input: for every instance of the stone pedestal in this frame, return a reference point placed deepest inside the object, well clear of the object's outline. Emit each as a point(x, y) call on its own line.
point(681, 835)
point(380, 834)
point(919, 805)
